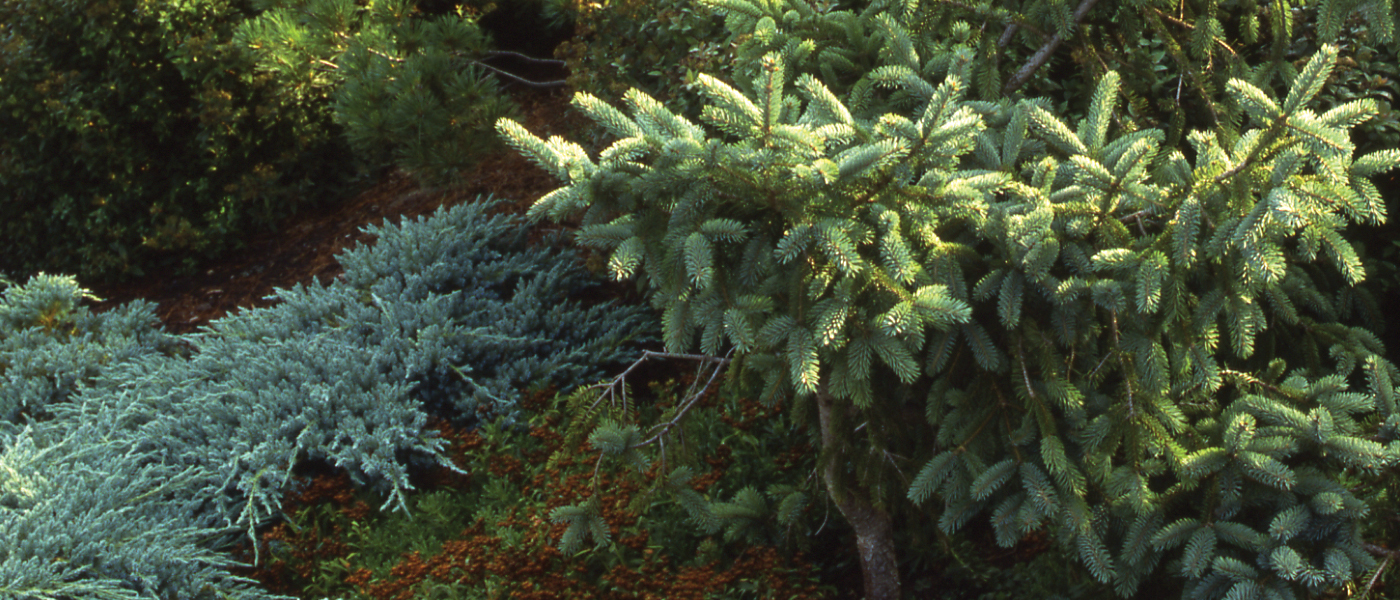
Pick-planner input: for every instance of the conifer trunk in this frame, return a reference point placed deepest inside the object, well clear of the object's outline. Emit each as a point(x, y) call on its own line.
point(874, 528)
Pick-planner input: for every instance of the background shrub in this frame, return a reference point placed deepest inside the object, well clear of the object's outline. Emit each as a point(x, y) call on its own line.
point(134, 136)
point(657, 46)
point(408, 89)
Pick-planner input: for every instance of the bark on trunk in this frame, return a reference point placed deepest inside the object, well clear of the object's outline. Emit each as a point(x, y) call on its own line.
point(874, 528)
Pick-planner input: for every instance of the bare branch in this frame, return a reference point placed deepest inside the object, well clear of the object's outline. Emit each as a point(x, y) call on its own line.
point(538, 84)
point(544, 61)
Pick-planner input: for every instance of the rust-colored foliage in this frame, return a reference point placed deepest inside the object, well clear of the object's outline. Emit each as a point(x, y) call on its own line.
point(508, 551)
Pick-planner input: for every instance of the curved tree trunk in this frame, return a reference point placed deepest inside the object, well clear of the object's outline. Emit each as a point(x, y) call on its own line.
point(874, 528)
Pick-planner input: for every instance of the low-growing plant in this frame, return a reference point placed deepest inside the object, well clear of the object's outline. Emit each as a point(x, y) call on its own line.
point(192, 445)
point(494, 533)
point(51, 345)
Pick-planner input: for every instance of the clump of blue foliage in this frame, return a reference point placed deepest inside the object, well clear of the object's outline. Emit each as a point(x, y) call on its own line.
point(129, 458)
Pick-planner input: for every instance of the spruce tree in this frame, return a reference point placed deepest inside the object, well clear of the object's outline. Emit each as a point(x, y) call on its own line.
point(1147, 348)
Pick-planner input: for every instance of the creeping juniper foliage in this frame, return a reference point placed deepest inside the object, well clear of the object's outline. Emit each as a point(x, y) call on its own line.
point(1150, 351)
point(143, 455)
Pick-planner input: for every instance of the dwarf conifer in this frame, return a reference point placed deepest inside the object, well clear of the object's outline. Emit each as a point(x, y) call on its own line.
point(1148, 348)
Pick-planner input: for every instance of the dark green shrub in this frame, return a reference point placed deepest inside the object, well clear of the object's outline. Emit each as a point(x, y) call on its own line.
point(657, 46)
point(133, 136)
point(408, 90)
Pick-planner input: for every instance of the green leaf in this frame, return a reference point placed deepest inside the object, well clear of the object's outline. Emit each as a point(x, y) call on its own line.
point(1094, 130)
point(1241, 536)
point(1337, 565)
point(1203, 463)
point(1199, 553)
point(942, 311)
point(1009, 305)
point(1376, 163)
point(901, 319)
point(1255, 102)
point(1287, 563)
point(831, 321)
point(1055, 131)
point(993, 478)
point(1175, 534)
point(1289, 523)
point(1267, 470)
point(897, 356)
point(1052, 452)
point(793, 243)
point(1311, 79)
point(727, 98)
point(838, 247)
point(802, 360)
point(604, 114)
point(1095, 556)
point(626, 258)
point(1150, 275)
point(699, 260)
point(932, 475)
point(988, 356)
point(820, 96)
point(1014, 137)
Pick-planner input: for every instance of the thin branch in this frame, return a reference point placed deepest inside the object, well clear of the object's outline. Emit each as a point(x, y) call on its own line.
point(690, 402)
point(393, 59)
point(1375, 578)
point(692, 395)
point(1043, 54)
point(1007, 35)
point(619, 383)
point(537, 84)
point(543, 61)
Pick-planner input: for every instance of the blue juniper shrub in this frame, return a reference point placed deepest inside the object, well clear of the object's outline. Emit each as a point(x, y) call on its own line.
point(196, 448)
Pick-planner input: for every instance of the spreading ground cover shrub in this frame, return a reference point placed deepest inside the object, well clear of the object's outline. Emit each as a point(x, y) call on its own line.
point(135, 137)
point(194, 446)
point(50, 345)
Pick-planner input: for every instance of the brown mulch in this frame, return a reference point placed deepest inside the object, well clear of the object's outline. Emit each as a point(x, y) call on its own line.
point(303, 247)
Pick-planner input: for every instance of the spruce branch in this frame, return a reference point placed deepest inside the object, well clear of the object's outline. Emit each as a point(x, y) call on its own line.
point(1187, 69)
point(1043, 54)
point(1189, 27)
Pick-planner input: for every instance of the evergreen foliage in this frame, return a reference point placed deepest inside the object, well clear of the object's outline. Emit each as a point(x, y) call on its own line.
point(190, 442)
point(408, 90)
point(658, 46)
point(1148, 342)
point(50, 344)
point(133, 135)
